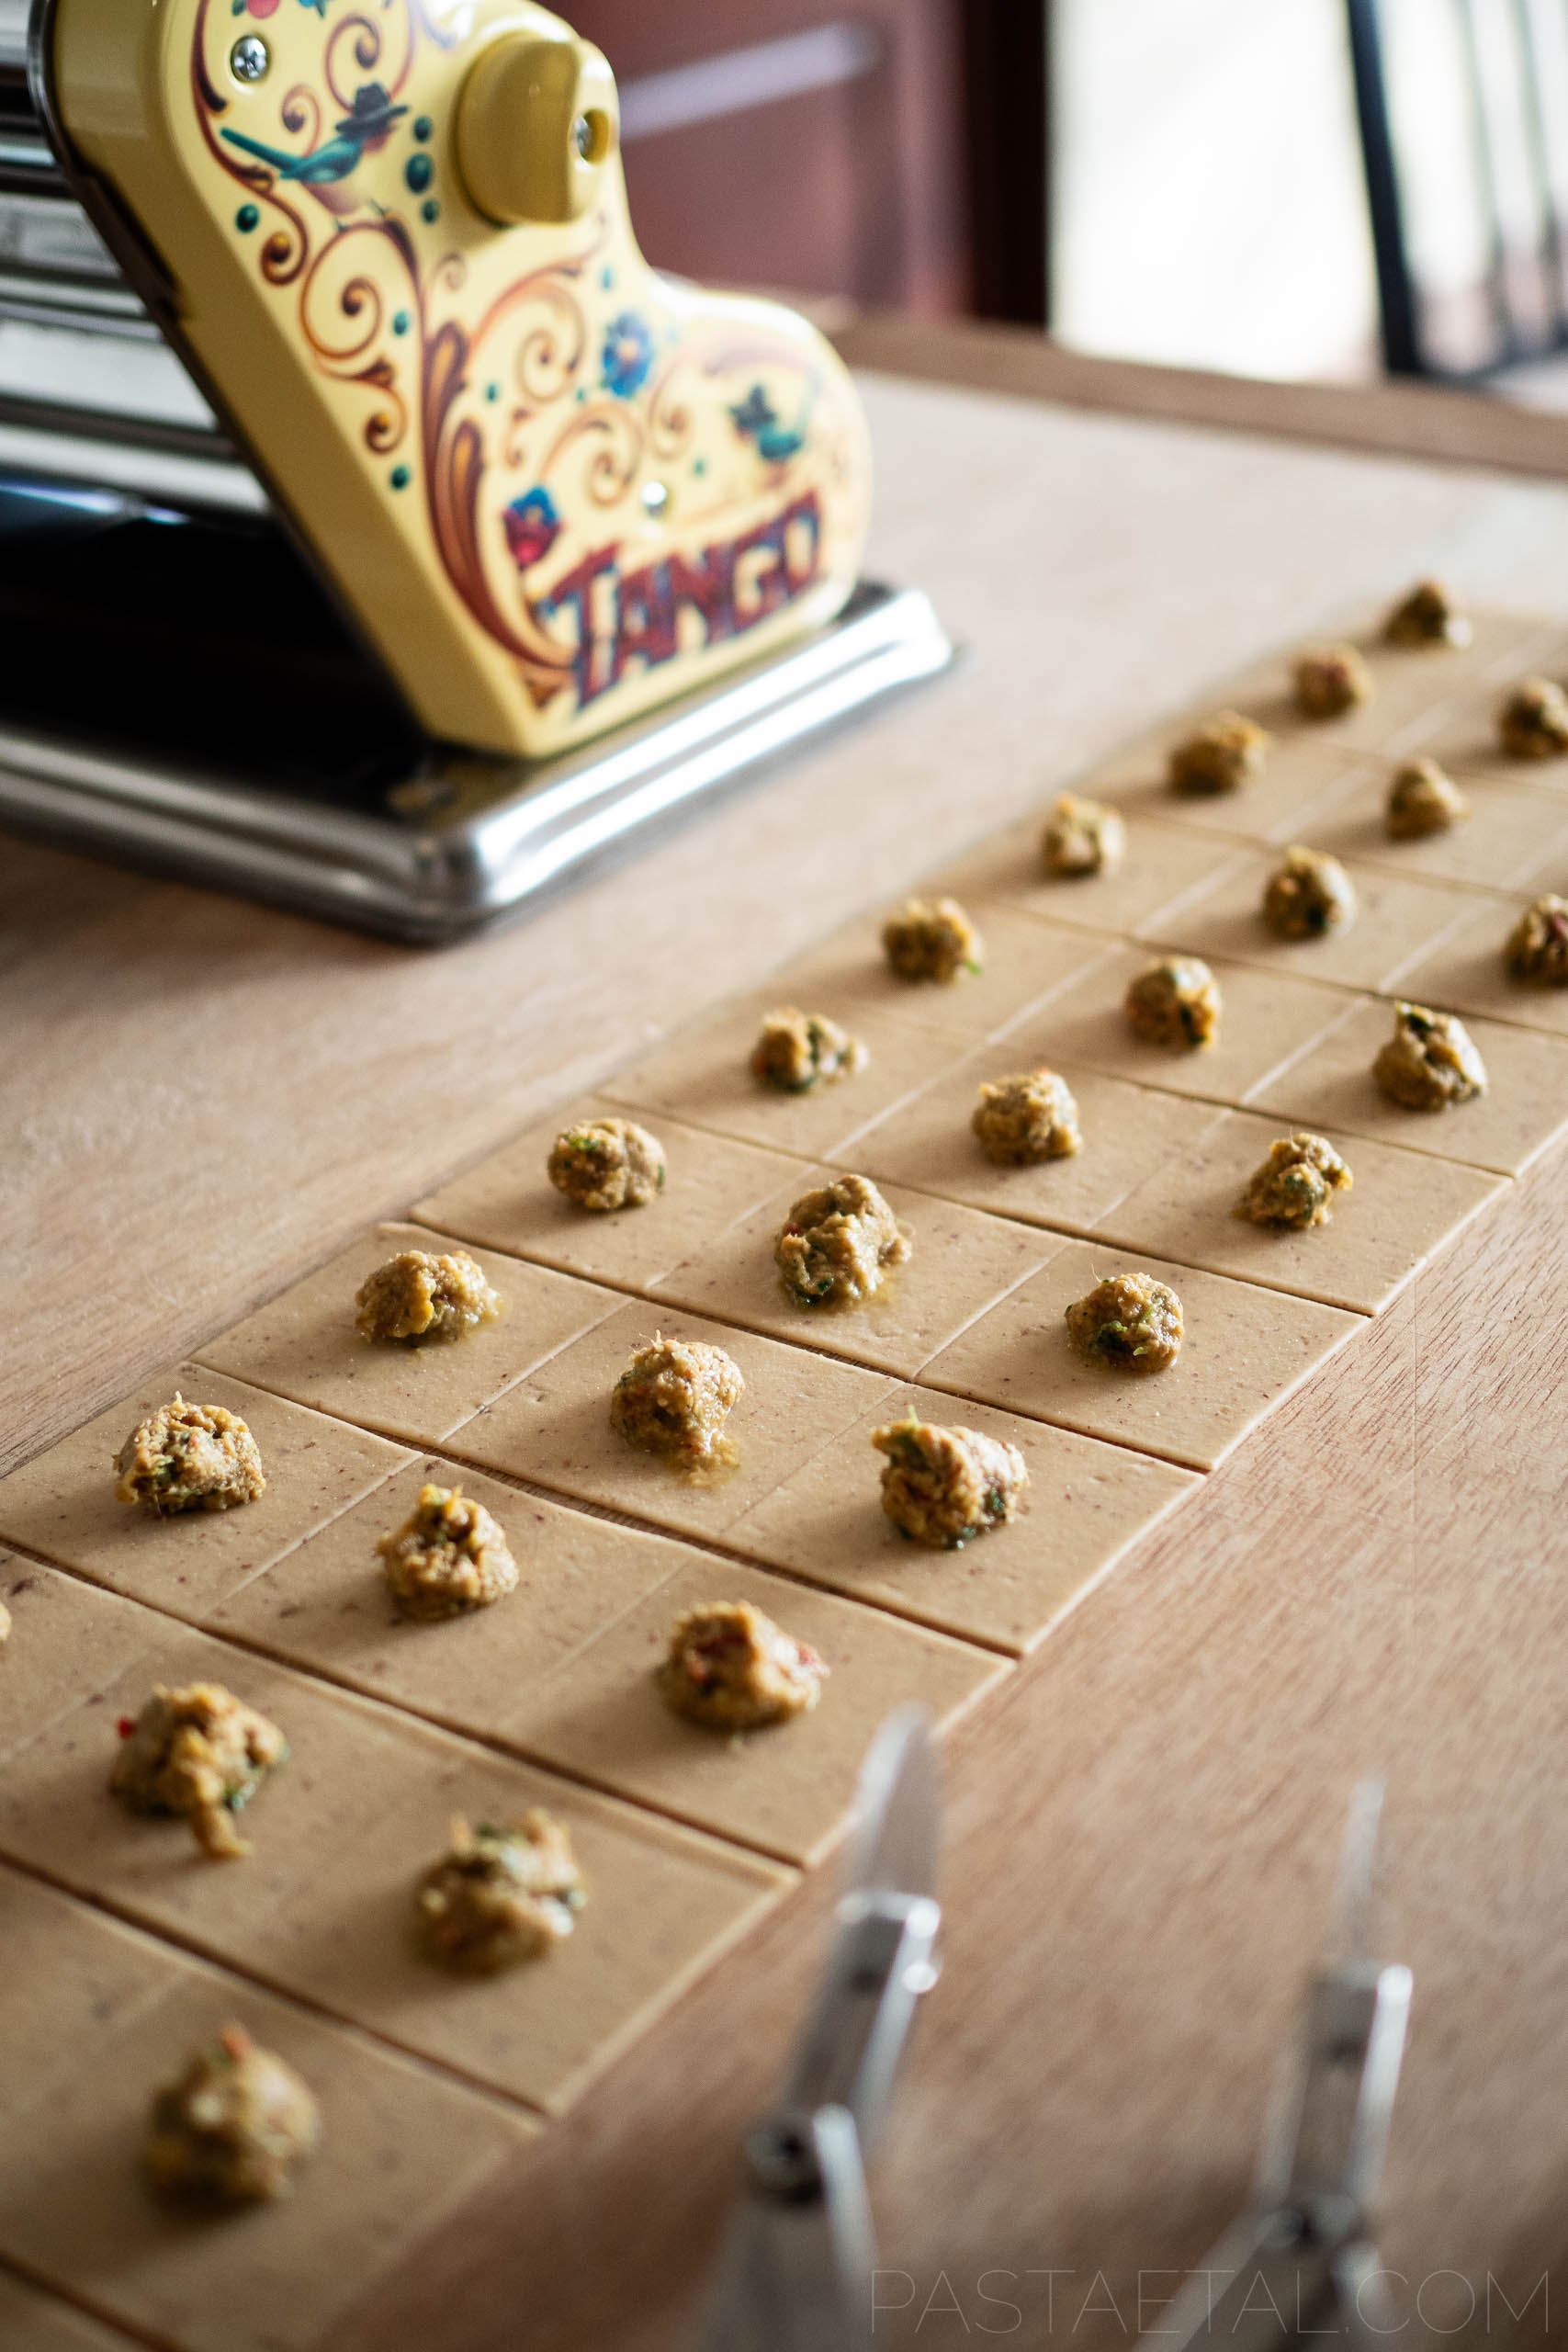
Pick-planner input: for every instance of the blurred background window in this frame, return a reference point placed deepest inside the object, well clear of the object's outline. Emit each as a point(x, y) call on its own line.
point(1306, 188)
point(1208, 197)
point(779, 143)
point(1474, 97)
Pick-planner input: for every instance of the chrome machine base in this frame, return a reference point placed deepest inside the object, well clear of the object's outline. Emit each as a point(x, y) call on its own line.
point(451, 840)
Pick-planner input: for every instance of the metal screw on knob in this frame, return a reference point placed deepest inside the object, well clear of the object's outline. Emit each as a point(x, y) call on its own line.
point(783, 2158)
point(249, 59)
point(534, 122)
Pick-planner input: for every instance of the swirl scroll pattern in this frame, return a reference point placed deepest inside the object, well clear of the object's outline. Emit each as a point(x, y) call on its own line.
point(353, 275)
point(556, 384)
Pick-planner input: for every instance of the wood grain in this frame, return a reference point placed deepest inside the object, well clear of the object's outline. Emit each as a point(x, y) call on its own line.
point(1429, 421)
point(204, 1099)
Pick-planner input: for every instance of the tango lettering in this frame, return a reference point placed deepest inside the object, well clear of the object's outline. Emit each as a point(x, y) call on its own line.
point(684, 602)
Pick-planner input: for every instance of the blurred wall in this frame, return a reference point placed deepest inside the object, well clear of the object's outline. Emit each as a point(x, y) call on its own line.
point(794, 145)
point(1209, 204)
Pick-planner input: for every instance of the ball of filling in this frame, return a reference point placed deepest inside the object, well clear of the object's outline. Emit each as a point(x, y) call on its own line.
point(1221, 755)
point(1296, 1183)
point(942, 1486)
point(201, 1753)
point(1129, 1321)
point(233, 2128)
point(1532, 723)
point(1429, 1062)
point(927, 941)
point(674, 1398)
point(837, 1243)
point(1082, 837)
point(1308, 895)
point(448, 1556)
point(796, 1051)
point(1428, 615)
point(1023, 1120)
point(1537, 947)
point(607, 1164)
point(189, 1457)
point(498, 1895)
point(417, 1297)
point(1422, 799)
point(732, 1668)
point(1174, 1002)
point(1330, 681)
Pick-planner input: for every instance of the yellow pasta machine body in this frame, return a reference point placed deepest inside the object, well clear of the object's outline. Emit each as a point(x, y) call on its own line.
point(555, 493)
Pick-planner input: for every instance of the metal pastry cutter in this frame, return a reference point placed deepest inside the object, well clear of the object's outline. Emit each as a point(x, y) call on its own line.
point(1302, 2262)
point(795, 2272)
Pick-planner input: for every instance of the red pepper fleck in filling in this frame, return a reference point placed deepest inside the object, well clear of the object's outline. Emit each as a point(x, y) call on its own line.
point(126, 1726)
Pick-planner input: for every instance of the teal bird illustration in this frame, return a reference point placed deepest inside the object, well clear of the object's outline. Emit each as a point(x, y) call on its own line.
point(367, 127)
point(756, 419)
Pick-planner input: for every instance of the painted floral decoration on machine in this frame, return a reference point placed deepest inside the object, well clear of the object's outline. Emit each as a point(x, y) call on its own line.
point(390, 239)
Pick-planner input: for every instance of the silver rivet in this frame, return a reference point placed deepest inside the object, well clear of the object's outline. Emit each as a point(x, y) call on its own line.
point(250, 59)
point(582, 134)
point(655, 498)
point(423, 796)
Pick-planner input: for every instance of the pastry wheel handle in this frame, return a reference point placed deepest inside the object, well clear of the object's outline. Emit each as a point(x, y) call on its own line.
point(1302, 2261)
point(1272, 2286)
point(795, 2272)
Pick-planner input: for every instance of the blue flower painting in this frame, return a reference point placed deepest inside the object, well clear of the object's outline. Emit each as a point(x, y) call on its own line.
point(533, 525)
point(628, 355)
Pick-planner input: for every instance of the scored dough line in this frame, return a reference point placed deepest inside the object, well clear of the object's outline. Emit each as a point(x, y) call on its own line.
point(443, 2070)
point(67, 2290)
point(585, 1507)
point(510, 1752)
point(211, 1957)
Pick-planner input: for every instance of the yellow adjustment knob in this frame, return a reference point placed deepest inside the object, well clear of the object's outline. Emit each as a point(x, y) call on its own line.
point(537, 122)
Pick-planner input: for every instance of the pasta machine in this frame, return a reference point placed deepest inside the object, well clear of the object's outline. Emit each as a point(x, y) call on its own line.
point(378, 532)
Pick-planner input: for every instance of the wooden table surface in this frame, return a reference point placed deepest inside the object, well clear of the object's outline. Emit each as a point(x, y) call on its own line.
point(204, 1099)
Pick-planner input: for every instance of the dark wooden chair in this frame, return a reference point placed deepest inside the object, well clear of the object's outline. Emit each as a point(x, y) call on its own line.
point(1008, 95)
point(1517, 311)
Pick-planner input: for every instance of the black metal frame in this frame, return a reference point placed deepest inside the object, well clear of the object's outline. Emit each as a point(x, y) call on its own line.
point(1402, 352)
point(1007, 55)
point(1405, 348)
